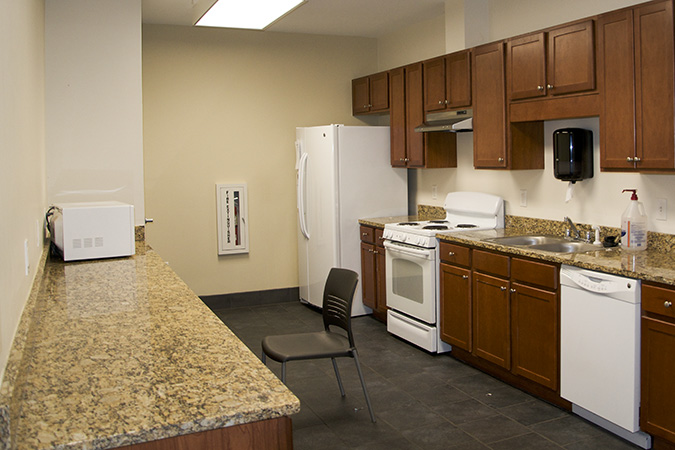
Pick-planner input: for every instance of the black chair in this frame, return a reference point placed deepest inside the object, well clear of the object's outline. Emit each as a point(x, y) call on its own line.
point(338, 295)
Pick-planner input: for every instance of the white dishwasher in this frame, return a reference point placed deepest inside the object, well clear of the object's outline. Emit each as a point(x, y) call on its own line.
point(600, 350)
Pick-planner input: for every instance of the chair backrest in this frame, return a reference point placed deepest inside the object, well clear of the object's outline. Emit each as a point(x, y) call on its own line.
point(338, 295)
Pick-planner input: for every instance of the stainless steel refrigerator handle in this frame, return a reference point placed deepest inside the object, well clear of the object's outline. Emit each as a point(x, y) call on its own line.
point(302, 176)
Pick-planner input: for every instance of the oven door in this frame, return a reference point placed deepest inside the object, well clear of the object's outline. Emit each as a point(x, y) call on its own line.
point(411, 280)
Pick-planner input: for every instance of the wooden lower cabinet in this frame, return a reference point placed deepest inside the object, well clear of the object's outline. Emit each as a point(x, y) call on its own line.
point(534, 336)
point(501, 314)
point(271, 434)
point(491, 319)
point(657, 411)
point(373, 284)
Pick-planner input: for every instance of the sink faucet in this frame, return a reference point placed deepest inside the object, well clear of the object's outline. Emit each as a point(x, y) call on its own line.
point(571, 228)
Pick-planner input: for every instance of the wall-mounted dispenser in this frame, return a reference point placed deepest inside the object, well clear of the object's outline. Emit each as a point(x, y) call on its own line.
point(573, 154)
point(232, 215)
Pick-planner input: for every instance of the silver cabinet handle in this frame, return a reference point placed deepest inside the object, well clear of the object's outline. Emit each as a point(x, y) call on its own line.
point(364, 234)
point(446, 102)
point(503, 288)
point(465, 277)
point(513, 291)
point(451, 253)
point(540, 88)
point(636, 159)
point(630, 159)
point(667, 304)
point(549, 86)
point(440, 102)
point(500, 159)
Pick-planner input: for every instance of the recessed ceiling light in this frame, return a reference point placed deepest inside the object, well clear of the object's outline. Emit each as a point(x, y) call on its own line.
point(249, 14)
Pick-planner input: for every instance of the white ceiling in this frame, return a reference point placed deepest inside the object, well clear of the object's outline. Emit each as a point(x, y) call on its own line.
point(366, 18)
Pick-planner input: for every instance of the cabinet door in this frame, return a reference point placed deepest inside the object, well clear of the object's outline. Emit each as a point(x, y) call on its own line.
point(380, 282)
point(379, 92)
point(414, 115)
point(534, 338)
point(456, 306)
point(434, 85)
point(397, 122)
point(657, 414)
point(458, 79)
point(571, 59)
point(616, 82)
point(368, 275)
point(360, 95)
point(527, 66)
point(489, 107)
point(654, 81)
point(491, 320)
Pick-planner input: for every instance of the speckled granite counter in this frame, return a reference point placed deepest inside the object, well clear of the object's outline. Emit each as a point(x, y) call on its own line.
point(120, 351)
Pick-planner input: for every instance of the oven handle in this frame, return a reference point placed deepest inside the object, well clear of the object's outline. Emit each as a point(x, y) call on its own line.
point(422, 253)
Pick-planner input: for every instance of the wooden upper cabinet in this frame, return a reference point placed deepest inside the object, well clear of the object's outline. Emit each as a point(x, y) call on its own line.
point(489, 107)
point(414, 115)
point(557, 62)
point(370, 94)
point(636, 79)
point(397, 114)
point(447, 82)
point(526, 63)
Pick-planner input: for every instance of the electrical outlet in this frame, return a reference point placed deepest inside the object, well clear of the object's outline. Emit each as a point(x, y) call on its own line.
point(661, 209)
point(523, 198)
point(434, 192)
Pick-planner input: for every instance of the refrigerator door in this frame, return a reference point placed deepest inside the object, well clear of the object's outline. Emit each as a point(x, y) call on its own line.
point(317, 204)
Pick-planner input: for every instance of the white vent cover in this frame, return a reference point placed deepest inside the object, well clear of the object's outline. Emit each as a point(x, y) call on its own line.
point(232, 211)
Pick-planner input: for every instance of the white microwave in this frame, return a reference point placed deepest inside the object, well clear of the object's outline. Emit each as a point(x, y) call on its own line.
point(93, 230)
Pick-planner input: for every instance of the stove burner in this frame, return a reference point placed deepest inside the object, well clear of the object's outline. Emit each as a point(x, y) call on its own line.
point(435, 227)
point(466, 225)
point(438, 221)
point(410, 224)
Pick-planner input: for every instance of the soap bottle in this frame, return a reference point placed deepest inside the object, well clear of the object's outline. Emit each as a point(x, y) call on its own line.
point(634, 225)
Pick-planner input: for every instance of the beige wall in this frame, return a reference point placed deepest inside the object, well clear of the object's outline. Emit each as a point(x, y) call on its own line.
point(93, 102)
point(221, 106)
point(598, 200)
point(22, 152)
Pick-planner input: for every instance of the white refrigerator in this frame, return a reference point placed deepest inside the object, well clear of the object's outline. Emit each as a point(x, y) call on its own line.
point(343, 174)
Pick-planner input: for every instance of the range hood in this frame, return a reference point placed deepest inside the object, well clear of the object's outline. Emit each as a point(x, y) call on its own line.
point(450, 121)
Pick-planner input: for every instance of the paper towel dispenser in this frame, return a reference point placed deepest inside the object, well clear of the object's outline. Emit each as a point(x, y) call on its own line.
point(573, 154)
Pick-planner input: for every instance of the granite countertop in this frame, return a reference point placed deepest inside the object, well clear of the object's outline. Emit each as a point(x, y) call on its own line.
point(120, 351)
point(656, 264)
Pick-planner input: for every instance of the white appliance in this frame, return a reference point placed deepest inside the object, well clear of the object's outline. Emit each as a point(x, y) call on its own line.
point(343, 174)
point(600, 350)
point(93, 230)
point(412, 265)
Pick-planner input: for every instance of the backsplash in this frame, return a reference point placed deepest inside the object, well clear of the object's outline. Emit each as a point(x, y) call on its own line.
point(527, 225)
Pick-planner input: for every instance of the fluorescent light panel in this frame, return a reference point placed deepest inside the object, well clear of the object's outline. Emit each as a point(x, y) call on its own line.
point(249, 14)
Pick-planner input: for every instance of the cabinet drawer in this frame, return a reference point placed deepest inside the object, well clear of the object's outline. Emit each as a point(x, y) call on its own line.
point(491, 263)
point(379, 240)
point(535, 272)
point(368, 234)
point(455, 254)
point(656, 300)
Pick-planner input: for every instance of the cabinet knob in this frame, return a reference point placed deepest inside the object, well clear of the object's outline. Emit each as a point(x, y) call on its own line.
point(513, 291)
point(540, 88)
point(446, 102)
point(637, 159)
point(364, 234)
point(376, 252)
point(667, 304)
point(451, 253)
point(440, 102)
point(500, 160)
point(503, 288)
point(549, 86)
point(465, 277)
point(630, 159)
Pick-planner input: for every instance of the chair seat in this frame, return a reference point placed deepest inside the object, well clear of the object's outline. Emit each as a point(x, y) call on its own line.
point(290, 347)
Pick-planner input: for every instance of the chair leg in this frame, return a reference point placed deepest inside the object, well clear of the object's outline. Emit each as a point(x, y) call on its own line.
point(283, 372)
point(337, 375)
point(363, 385)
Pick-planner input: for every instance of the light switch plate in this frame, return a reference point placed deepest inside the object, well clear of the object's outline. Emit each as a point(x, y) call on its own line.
point(661, 209)
point(523, 198)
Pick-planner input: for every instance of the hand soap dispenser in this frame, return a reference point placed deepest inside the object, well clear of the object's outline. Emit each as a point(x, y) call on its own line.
point(634, 224)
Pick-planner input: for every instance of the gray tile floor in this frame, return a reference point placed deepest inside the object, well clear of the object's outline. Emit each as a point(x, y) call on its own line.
point(421, 401)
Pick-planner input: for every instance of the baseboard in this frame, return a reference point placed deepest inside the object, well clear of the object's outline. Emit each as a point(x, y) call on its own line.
point(255, 298)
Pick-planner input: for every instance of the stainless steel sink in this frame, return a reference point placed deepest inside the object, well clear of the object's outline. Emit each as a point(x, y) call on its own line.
point(546, 243)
